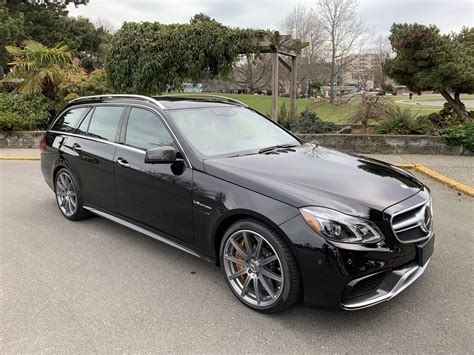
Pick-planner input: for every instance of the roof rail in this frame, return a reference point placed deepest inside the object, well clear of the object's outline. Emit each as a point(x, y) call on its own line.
point(205, 96)
point(111, 96)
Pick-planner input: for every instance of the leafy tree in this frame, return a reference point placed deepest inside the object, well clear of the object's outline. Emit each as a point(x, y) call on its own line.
point(10, 29)
point(428, 60)
point(80, 83)
point(47, 22)
point(38, 68)
point(89, 43)
point(200, 17)
point(43, 21)
point(144, 57)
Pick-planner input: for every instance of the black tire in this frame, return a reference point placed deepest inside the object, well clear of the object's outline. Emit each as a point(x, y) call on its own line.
point(287, 292)
point(78, 212)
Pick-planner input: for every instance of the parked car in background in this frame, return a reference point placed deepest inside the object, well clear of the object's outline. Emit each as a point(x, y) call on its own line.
point(286, 220)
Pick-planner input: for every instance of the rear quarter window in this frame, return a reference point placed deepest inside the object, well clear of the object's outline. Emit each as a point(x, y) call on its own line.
point(69, 120)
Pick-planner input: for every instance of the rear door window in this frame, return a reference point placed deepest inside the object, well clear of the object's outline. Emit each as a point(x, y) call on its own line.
point(104, 122)
point(69, 120)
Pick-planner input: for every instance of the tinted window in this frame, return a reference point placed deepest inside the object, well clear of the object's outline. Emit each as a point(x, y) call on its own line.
point(69, 120)
point(84, 125)
point(104, 122)
point(146, 130)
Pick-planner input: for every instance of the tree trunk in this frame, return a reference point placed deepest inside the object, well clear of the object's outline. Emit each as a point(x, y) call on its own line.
point(456, 104)
point(333, 77)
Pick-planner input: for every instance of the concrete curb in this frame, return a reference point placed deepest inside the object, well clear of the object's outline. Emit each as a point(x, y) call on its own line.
point(454, 184)
point(20, 158)
point(468, 190)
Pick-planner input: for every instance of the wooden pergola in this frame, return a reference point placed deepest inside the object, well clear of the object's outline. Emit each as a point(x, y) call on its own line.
point(284, 45)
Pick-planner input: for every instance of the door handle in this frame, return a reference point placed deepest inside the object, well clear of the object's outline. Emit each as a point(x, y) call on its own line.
point(123, 163)
point(76, 147)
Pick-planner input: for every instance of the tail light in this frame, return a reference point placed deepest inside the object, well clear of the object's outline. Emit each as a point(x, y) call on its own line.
point(43, 144)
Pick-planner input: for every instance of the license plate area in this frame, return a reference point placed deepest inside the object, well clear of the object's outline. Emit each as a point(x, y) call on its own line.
point(424, 251)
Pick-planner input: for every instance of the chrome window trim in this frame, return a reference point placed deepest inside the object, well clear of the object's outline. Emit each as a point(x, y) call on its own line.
point(142, 230)
point(429, 201)
point(82, 136)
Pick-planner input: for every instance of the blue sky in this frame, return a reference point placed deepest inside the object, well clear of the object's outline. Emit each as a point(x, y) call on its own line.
point(380, 14)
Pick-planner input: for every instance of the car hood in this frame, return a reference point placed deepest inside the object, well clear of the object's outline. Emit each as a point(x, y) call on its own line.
point(311, 175)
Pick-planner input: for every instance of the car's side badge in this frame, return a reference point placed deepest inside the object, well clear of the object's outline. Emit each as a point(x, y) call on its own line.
point(204, 207)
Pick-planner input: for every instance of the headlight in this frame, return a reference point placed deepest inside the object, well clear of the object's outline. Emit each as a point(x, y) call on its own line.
point(340, 227)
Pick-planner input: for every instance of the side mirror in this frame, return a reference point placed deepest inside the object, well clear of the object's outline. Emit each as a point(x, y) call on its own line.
point(160, 155)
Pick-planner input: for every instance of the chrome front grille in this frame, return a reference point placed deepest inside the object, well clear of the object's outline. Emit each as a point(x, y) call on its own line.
point(413, 224)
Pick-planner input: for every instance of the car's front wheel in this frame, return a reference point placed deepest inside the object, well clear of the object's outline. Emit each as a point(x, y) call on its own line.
point(259, 267)
point(68, 196)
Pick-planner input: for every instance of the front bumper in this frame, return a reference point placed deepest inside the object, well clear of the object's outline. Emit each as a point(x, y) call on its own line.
point(392, 284)
point(350, 276)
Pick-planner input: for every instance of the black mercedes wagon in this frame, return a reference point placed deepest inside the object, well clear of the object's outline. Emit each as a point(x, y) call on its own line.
point(286, 220)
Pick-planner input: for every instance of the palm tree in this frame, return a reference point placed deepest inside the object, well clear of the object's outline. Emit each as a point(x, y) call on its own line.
point(38, 68)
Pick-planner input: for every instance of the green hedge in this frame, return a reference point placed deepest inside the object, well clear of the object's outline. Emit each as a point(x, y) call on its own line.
point(462, 134)
point(24, 112)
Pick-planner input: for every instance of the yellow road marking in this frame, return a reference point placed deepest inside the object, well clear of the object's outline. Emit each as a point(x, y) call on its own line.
point(468, 190)
point(19, 158)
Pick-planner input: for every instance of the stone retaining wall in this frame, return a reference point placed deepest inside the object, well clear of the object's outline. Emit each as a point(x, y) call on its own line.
point(20, 139)
point(386, 144)
point(355, 143)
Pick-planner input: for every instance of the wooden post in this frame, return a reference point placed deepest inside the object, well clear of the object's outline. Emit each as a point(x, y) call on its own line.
point(275, 87)
point(294, 86)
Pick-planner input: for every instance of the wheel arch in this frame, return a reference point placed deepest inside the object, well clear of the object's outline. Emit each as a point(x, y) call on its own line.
point(56, 170)
point(236, 215)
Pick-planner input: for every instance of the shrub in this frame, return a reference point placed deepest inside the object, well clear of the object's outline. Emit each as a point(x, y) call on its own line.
point(83, 84)
point(371, 108)
point(404, 121)
point(24, 112)
point(309, 122)
point(445, 118)
point(462, 134)
point(284, 116)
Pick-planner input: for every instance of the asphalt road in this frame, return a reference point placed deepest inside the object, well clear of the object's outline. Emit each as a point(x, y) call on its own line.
point(94, 286)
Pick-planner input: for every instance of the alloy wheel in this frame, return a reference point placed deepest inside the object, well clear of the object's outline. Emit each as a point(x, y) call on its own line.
point(66, 194)
point(253, 268)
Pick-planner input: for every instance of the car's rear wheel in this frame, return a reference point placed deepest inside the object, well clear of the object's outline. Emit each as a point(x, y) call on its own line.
point(259, 267)
point(68, 196)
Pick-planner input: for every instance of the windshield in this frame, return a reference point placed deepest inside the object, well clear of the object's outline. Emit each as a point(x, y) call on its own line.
point(228, 130)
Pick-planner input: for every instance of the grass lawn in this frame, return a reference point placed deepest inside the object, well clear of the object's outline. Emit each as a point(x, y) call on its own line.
point(339, 113)
point(334, 113)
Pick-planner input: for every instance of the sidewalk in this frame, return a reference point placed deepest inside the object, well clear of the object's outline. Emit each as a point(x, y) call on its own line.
point(8, 152)
point(460, 168)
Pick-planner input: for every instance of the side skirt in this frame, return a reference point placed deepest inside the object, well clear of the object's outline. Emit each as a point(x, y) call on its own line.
point(142, 230)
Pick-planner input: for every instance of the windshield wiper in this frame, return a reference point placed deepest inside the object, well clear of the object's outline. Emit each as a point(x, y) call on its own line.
point(272, 148)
